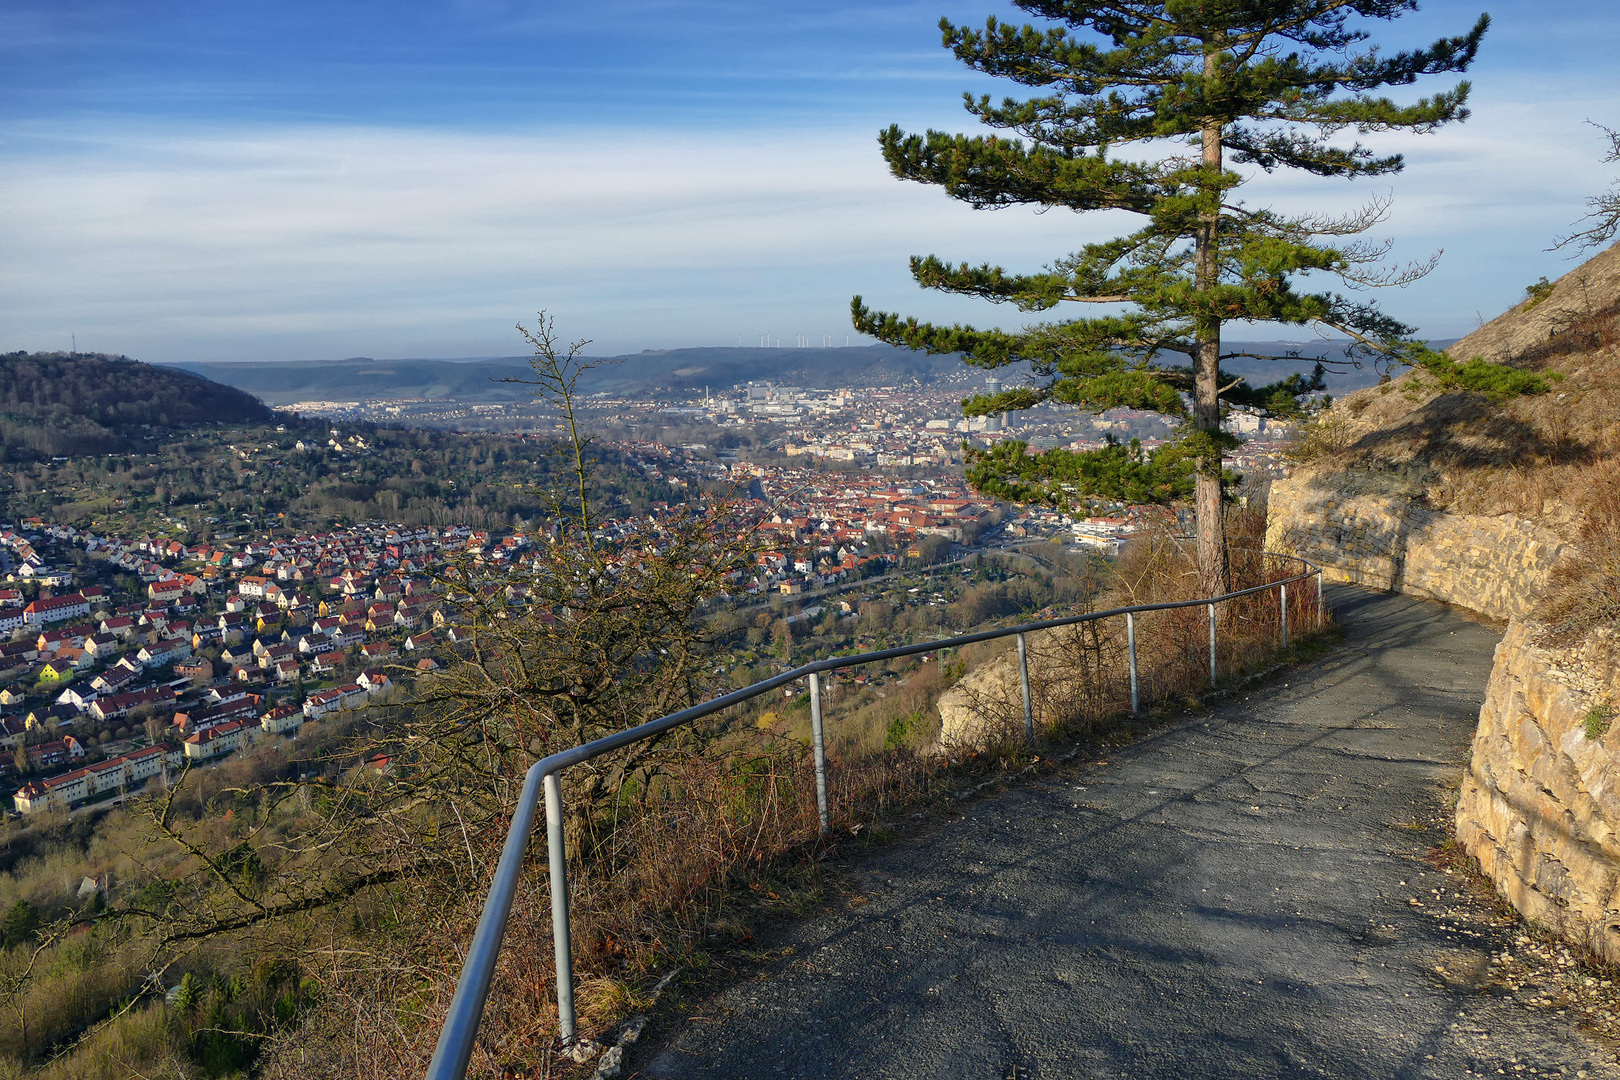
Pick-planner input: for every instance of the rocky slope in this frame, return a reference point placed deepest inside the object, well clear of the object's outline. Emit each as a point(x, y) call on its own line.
point(1512, 509)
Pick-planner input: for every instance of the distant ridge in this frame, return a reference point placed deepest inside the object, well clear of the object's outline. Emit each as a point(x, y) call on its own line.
point(665, 370)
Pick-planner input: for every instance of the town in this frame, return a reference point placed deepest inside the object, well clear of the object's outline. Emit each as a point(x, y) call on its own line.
point(132, 657)
point(231, 643)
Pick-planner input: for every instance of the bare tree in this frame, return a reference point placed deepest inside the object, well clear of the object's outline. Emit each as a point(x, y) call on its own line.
point(1604, 214)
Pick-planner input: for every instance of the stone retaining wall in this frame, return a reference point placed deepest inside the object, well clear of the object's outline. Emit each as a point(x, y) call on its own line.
point(1539, 805)
point(1494, 565)
point(1541, 798)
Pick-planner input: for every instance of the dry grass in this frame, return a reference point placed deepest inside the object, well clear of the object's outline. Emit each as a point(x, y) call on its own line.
point(1533, 456)
point(1552, 458)
point(1079, 675)
point(724, 840)
point(1585, 592)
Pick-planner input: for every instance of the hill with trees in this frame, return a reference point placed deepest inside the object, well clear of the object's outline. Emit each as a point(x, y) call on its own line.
point(55, 404)
point(136, 447)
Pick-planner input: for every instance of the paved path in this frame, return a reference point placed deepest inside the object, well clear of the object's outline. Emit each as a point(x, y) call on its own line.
point(1230, 897)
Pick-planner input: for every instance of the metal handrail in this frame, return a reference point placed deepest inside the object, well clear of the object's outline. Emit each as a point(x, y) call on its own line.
point(454, 1048)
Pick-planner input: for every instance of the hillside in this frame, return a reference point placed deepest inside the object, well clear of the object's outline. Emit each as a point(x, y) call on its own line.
point(665, 370)
point(1553, 458)
point(58, 404)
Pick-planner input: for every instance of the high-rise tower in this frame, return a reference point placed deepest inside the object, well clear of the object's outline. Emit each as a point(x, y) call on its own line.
point(994, 421)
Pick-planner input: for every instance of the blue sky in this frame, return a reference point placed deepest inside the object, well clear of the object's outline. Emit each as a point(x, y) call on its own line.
point(222, 180)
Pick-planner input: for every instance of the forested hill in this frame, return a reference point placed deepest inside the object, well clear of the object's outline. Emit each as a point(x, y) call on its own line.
point(88, 403)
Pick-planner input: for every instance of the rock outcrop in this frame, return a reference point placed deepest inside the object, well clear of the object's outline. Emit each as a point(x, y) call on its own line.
point(1075, 673)
point(1497, 566)
point(1540, 802)
point(977, 711)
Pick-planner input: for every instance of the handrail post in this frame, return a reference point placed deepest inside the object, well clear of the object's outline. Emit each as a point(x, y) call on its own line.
point(1212, 675)
point(1130, 643)
point(562, 944)
point(460, 1029)
point(543, 781)
point(819, 745)
point(1282, 613)
point(1023, 681)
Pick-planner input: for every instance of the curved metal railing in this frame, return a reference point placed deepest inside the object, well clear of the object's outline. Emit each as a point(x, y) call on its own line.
point(455, 1045)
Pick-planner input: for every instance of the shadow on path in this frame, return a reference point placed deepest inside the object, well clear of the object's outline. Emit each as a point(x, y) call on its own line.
point(1229, 897)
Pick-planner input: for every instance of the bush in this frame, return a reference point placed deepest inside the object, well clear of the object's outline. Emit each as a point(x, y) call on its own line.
point(1598, 721)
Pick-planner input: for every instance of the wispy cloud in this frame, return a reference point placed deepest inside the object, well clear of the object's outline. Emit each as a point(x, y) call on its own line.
point(393, 232)
point(190, 243)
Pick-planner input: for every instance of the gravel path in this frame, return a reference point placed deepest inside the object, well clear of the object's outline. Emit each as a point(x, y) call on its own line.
point(1244, 894)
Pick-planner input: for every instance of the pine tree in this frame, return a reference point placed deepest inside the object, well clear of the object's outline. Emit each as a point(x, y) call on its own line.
point(1265, 83)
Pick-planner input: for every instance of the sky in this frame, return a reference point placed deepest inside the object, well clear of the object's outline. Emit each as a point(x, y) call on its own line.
point(219, 180)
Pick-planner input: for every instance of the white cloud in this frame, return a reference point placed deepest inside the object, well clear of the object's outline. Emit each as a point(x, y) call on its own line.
point(324, 242)
point(187, 240)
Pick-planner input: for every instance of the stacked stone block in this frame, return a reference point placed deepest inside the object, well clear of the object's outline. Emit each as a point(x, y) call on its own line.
point(1494, 565)
point(1540, 802)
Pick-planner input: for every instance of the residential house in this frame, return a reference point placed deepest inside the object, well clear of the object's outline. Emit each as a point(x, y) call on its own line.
point(236, 655)
point(218, 741)
point(56, 671)
point(78, 697)
point(105, 776)
point(19, 651)
point(327, 662)
point(314, 644)
point(282, 719)
point(48, 611)
point(374, 681)
point(165, 590)
point(117, 678)
point(51, 718)
point(48, 755)
point(347, 637)
point(101, 646)
point(376, 651)
point(330, 701)
point(165, 651)
point(121, 627)
point(116, 705)
point(57, 792)
point(237, 707)
point(199, 670)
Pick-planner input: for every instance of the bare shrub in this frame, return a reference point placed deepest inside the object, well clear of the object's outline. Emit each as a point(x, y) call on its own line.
point(1079, 675)
point(648, 897)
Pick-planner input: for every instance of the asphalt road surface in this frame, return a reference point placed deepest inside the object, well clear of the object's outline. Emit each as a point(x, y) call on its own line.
point(1234, 896)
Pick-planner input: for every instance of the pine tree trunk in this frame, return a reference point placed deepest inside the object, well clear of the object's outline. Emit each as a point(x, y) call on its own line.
point(1213, 566)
